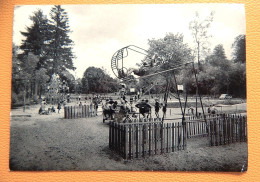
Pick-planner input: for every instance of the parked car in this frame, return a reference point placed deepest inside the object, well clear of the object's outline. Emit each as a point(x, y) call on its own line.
point(225, 96)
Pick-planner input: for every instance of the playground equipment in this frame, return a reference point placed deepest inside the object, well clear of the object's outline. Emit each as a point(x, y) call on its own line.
point(123, 73)
point(118, 112)
point(118, 65)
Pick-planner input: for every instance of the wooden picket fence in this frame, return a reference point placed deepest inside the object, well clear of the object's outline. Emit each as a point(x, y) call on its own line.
point(227, 129)
point(221, 129)
point(196, 128)
point(140, 139)
point(74, 112)
point(152, 137)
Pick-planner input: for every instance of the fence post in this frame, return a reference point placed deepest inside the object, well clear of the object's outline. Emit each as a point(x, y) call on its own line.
point(224, 129)
point(136, 140)
point(126, 144)
point(110, 135)
point(140, 137)
point(65, 112)
point(170, 137)
point(184, 134)
point(162, 139)
point(241, 128)
point(120, 141)
point(155, 138)
point(71, 112)
point(85, 111)
point(91, 110)
point(173, 136)
point(178, 135)
point(88, 111)
point(149, 136)
point(143, 139)
point(82, 111)
point(211, 132)
point(167, 138)
point(245, 124)
point(130, 142)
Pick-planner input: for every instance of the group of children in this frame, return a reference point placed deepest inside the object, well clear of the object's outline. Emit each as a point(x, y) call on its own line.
point(128, 107)
point(45, 110)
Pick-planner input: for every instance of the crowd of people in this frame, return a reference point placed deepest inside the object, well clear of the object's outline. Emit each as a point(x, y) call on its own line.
point(133, 105)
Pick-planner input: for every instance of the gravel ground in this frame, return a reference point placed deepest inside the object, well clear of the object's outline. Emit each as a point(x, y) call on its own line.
point(49, 142)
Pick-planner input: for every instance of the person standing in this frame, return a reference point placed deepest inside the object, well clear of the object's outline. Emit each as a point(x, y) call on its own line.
point(79, 97)
point(164, 109)
point(59, 107)
point(157, 108)
point(96, 106)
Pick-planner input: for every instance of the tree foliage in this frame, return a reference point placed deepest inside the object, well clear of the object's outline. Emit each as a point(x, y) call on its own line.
point(36, 38)
point(46, 50)
point(239, 49)
point(171, 52)
point(199, 30)
point(60, 45)
point(217, 75)
point(96, 80)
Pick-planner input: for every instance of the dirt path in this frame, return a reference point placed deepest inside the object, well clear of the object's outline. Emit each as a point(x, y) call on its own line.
point(49, 142)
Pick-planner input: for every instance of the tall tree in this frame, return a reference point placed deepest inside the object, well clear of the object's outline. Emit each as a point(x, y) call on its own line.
point(218, 57)
point(16, 71)
point(238, 72)
point(60, 45)
point(36, 37)
point(96, 80)
point(239, 49)
point(217, 71)
point(238, 80)
point(170, 52)
point(199, 30)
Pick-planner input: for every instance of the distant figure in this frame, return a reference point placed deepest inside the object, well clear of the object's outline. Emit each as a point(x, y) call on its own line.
point(96, 106)
point(209, 109)
point(53, 109)
point(157, 108)
point(191, 110)
point(40, 110)
point(213, 109)
point(114, 106)
point(164, 109)
point(80, 104)
point(52, 100)
point(59, 107)
point(111, 101)
point(68, 98)
point(123, 100)
point(43, 103)
point(144, 107)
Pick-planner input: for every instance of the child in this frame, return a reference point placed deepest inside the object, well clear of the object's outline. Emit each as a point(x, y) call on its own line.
point(157, 108)
point(59, 107)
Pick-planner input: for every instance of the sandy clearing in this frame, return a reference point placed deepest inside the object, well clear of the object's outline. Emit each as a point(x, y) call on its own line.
point(49, 142)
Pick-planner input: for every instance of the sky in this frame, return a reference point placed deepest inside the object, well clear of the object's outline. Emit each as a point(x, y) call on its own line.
point(98, 31)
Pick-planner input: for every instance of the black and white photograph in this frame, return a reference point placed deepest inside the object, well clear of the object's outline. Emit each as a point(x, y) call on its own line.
point(129, 87)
